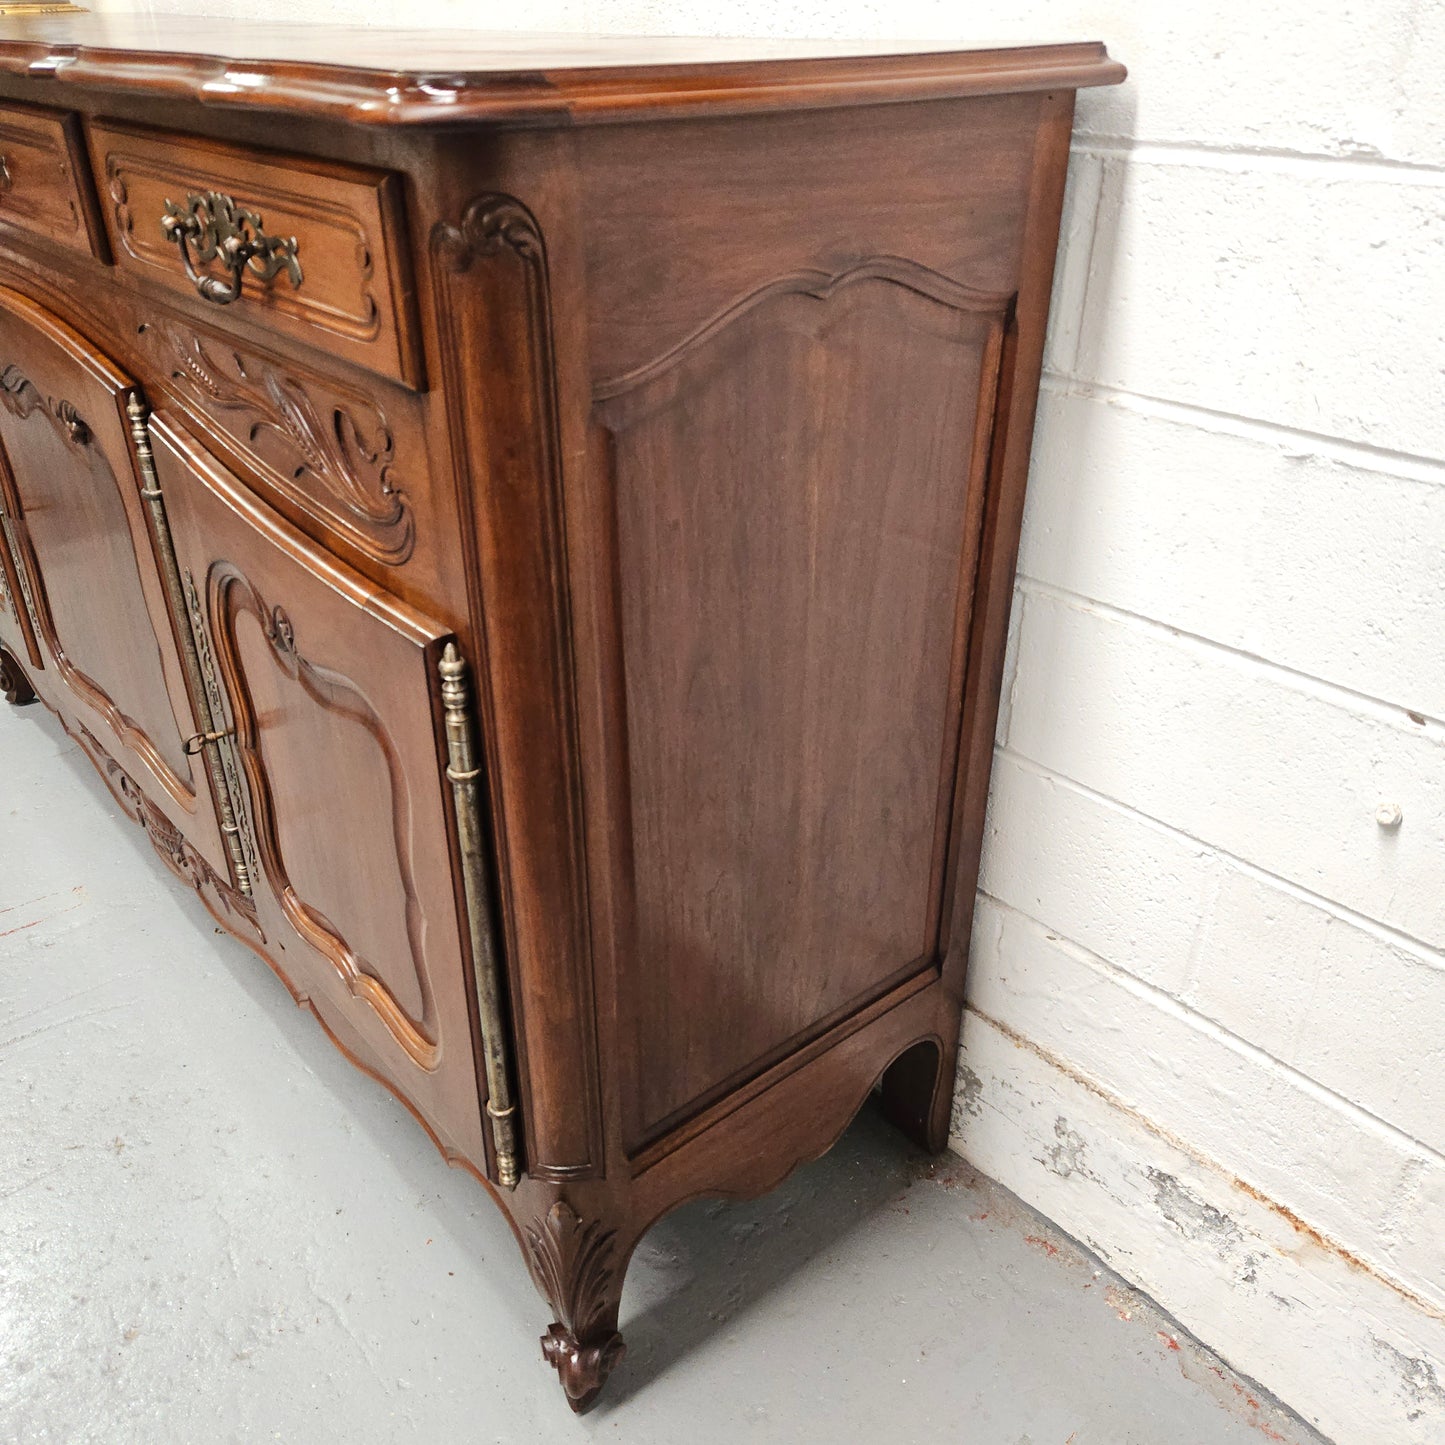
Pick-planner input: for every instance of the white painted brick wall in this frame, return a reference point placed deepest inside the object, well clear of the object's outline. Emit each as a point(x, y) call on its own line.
point(1207, 1009)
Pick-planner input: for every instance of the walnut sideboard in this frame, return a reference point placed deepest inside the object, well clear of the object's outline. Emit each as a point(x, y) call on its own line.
point(527, 527)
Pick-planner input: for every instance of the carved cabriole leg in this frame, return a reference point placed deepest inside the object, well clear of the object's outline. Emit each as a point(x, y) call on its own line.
point(579, 1264)
point(13, 681)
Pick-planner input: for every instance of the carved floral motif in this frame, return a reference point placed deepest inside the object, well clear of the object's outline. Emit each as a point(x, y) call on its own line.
point(324, 454)
point(575, 1265)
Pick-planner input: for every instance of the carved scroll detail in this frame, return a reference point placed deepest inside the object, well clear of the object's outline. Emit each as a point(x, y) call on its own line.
point(21, 398)
point(490, 223)
point(338, 454)
point(575, 1264)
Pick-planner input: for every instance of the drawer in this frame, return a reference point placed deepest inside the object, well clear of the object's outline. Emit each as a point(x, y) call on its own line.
point(45, 188)
point(331, 269)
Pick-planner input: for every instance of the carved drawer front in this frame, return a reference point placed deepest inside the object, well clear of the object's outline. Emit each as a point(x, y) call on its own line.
point(333, 690)
point(351, 457)
point(309, 248)
point(45, 186)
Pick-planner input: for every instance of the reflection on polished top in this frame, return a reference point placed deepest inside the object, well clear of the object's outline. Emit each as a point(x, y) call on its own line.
point(429, 76)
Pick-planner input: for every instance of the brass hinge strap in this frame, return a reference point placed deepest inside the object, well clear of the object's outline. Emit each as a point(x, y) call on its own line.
point(463, 773)
point(212, 729)
point(22, 576)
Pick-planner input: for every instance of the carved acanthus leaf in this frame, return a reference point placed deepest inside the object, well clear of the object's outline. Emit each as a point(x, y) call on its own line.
point(322, 442)
point(575, 1263)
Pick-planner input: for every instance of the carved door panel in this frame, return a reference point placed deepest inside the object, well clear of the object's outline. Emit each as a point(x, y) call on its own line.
point(798, 490)
point(84, 563)
point(333, 691)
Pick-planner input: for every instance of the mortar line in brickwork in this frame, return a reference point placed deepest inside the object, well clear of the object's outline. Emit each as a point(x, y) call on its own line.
point(1427, 953)
point(1394, 714)
point(1205, 1161)
point(1219, 1033)
point(1258, 158)
point(1401, 465)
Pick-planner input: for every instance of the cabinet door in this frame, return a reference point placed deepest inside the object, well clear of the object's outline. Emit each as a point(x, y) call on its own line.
point(85, 564)
point(332, 688)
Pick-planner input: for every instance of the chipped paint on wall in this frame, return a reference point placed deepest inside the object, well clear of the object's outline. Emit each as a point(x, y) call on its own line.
point(1283, 1304)
point(1420, 1378)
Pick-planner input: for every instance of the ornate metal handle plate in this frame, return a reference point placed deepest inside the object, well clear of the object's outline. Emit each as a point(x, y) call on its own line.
point(211, 226)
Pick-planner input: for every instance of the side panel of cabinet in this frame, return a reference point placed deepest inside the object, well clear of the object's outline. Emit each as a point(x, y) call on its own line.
point(791, 431)
point(83, 555)
point(332, 688)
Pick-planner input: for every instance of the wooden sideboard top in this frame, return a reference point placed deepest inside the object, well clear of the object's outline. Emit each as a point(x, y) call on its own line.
point(386, 76)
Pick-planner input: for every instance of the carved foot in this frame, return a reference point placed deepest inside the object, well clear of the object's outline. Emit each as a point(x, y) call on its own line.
point(583, 1369)
point(13, 682)
point(579, 1267)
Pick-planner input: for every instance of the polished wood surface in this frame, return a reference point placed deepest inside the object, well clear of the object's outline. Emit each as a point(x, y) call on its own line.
point(45, 187)
point(80, 535)
point(796, 569)
point(331, 688)
point(374, 75)
point(353, 298)
point(696, 446)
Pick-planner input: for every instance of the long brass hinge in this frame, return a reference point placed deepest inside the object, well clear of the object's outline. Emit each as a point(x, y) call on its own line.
point(23, 577)
point(190, 630)
point(464, 774)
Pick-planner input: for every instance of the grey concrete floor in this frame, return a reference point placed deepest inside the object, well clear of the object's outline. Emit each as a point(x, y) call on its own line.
point(212, 1228)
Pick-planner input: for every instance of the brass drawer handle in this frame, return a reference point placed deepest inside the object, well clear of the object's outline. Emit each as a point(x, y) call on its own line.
point(211, 225)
